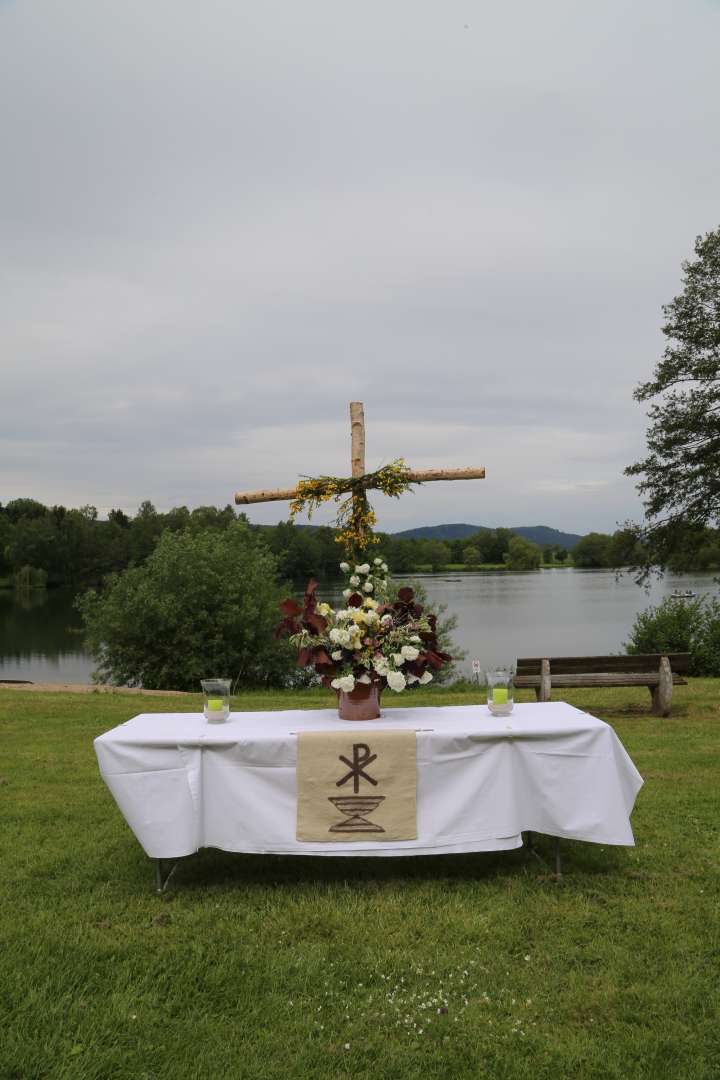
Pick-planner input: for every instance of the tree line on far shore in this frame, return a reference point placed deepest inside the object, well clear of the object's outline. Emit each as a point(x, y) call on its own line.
point(57, 546)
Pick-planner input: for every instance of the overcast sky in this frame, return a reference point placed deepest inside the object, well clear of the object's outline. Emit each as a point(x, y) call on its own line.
point(220, 222)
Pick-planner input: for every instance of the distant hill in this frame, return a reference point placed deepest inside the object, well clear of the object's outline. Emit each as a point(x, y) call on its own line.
point(539, 534)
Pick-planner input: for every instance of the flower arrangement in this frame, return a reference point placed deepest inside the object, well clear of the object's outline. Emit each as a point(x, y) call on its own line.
point(374, 639)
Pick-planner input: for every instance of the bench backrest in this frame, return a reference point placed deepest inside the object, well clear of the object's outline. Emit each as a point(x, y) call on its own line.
point(591, 665)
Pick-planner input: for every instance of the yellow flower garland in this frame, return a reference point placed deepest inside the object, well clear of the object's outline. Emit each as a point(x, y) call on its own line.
point(355, 517)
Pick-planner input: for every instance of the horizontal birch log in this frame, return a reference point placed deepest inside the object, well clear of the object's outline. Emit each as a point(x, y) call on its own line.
point(424, 476)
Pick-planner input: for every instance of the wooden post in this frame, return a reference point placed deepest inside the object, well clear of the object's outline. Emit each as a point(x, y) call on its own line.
point(662, 693)
point(357, 433)
point(545, 681)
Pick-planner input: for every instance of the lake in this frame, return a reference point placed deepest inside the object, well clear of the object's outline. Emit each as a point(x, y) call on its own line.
point(501, 616)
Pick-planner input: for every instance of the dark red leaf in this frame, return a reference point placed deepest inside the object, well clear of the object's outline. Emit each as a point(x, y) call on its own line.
point(290, 607)
point(355, 600)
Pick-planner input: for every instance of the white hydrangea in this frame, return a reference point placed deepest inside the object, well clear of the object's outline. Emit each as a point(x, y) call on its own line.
point(364, 569)
point(354, 580)
point(384, 569)
point(378, 562)
point(426, 677)
point(365, 679)
point(399, 659)
point(344, 567)
point(336, 655)
point(346, 683)
point(396, 681)
point(368, 586)
point(343, 615)
point(410, 652)
point(381, 665)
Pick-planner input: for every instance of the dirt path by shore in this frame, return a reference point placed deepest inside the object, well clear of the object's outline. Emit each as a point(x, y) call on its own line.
point(82, 688)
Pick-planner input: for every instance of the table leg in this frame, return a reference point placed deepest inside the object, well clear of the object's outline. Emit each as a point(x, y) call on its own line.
point(558, 863)
point(161, 879)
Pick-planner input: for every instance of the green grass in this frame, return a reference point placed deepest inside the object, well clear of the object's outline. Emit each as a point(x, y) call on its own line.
point(264, 967)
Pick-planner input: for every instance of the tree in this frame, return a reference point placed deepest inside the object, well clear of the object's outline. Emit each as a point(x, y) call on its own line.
point(680, 476)
point(471, 555)
point(592, 551)
point(203, 604)
point(523, 554)
point(435, 553)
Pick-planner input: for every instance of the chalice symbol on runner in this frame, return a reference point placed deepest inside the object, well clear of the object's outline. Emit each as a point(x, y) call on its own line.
point(356, 807)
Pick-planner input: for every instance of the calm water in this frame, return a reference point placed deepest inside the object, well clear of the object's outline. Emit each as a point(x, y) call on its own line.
point(500, 616)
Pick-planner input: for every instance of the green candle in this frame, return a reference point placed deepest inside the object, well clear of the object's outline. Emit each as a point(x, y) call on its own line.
point(500, 695)
point(216, 703)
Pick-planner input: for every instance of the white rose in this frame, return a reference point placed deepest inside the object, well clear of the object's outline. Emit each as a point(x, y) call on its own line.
point(364, 569)
point(364, 679)
point(399, 659)
point(410, 652)
point(396, 681)
point(354, 580)
point(336, 655)
point(346, 683)
point(344, 567)
point(378, 562)
point(347, 593)
point(368, 586)
point(412, 679)
point(426, 677)
point(381, 665)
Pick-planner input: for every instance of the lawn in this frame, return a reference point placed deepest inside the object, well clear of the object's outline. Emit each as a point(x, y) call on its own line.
point(264, 967)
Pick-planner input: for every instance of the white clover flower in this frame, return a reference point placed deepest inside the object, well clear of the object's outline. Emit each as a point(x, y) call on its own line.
point(336, 655)
point(364, 569)
point(354, 580)
point(396, 681)
point(378, 562)
point(347, 593)
point(410, 652)
point(398, 658)
point(426, 677)
point(344, 567)
point(346, 683)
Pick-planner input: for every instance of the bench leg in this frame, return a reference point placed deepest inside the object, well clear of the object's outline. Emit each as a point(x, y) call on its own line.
point(662, 693)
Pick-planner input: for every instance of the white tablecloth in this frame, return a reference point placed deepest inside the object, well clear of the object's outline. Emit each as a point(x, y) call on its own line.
point(183, 784)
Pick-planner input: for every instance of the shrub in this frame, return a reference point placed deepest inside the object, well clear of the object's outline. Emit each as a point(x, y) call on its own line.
point(680, 626)
point(204, 603)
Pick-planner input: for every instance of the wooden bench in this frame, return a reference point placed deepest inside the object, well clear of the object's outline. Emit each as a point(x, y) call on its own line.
point(657, 671)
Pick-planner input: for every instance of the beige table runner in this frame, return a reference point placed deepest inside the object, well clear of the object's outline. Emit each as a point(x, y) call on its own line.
point(356, 786)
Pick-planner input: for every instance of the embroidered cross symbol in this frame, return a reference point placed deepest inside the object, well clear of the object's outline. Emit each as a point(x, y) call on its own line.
point(361, 758)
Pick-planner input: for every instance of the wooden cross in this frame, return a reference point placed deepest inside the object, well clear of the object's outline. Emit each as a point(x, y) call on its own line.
point(357, 432)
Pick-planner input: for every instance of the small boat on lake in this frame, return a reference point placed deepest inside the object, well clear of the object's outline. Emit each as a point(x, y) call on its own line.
point(686, 594)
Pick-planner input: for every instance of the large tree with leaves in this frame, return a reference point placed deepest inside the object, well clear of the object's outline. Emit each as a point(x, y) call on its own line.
point(680, 476)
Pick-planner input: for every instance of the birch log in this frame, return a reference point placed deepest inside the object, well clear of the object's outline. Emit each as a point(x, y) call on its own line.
point(425, 476)
point(357, 435)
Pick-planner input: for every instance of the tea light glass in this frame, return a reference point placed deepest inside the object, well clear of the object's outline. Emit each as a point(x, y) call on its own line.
point(500, 691)
point(216, 706)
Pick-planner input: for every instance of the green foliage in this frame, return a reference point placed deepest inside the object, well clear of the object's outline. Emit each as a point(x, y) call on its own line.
point(471, 555)
point(204, 603)
point(679, 474)
point(592, 551)
point(680, 626)
point(522, 554)
point(29, 577)
point(434, 553)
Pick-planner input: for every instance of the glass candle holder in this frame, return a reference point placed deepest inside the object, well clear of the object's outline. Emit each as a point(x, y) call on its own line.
point(216, 707)
point(499, 691)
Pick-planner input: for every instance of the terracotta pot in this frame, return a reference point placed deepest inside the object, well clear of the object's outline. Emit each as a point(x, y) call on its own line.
point(362, 703)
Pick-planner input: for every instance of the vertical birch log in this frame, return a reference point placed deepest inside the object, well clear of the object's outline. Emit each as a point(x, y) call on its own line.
point(545, 680)
point(662, 693)
point(357, 432)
